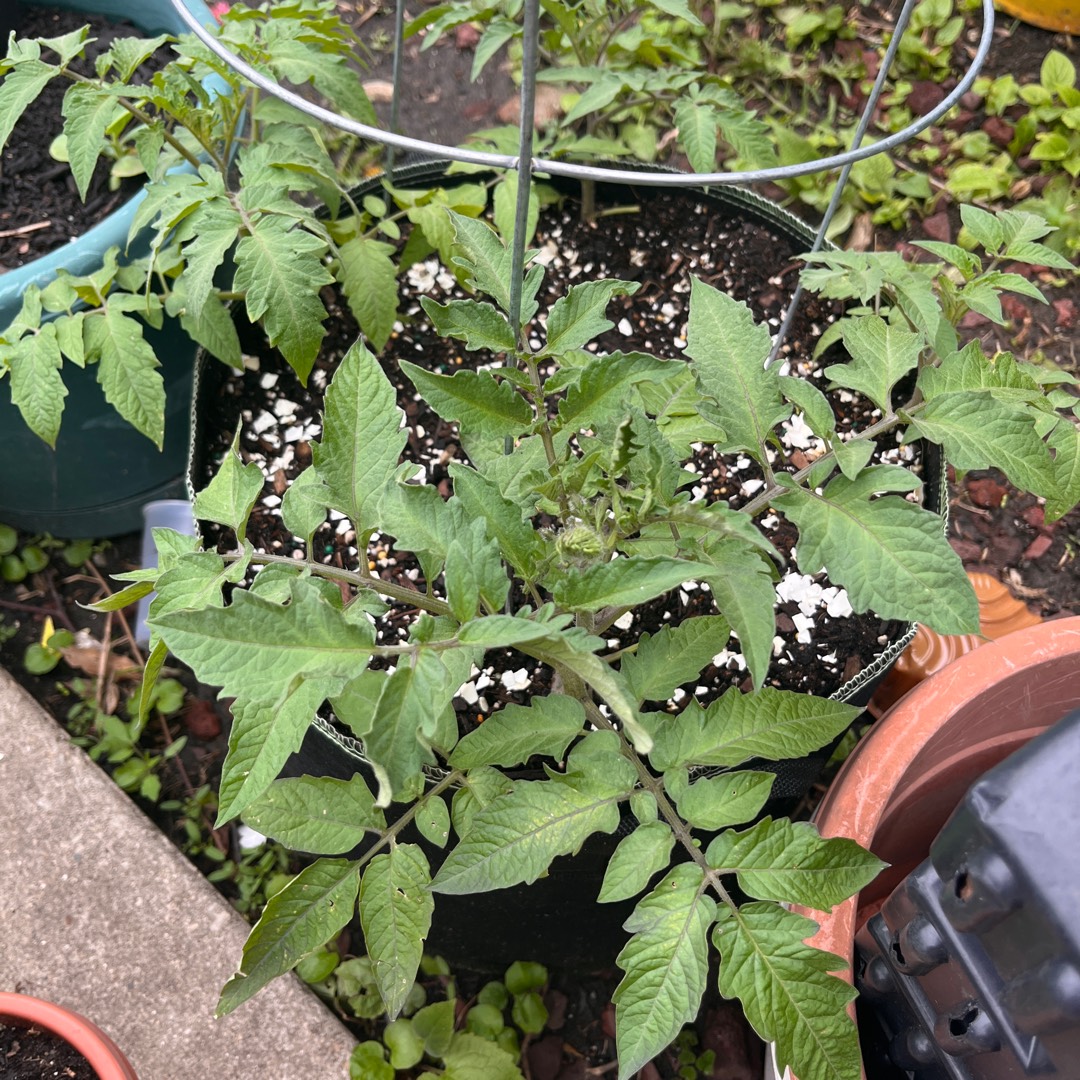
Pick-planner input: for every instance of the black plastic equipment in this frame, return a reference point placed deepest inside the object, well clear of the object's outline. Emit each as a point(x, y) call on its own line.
point(972, 966)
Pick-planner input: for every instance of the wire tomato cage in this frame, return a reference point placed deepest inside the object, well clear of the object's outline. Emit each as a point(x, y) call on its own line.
point(526, 164)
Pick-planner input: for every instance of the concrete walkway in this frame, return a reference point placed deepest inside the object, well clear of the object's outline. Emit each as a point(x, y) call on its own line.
point(99, 912)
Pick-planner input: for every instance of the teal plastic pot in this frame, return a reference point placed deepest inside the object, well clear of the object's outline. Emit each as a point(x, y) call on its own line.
point(102, 471)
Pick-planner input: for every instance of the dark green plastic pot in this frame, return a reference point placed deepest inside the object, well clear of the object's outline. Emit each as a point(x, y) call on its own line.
point(102, 471)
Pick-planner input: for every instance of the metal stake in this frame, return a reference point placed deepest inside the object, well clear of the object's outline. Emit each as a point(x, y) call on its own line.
point(399, 52)
point(845, 172)
point(526, 134)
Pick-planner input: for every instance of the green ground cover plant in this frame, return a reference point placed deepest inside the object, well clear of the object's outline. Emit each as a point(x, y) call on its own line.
point(571, 512)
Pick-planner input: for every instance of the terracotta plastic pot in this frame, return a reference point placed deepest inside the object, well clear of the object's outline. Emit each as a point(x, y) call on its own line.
point(907, 776)
point(102, 471)
point(1061, 15)
point(104, 1056)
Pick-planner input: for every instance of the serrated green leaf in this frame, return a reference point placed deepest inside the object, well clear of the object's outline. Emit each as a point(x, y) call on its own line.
point(280, 662)
point(395, 913)
point(479, 402)
point(852, 456)
point(517, 732)
point(194, 581)
point(881, 355)
point(69, 336)
point(214, 330)
point(369, 280)
point(769, 723)
point(786, 991)
point(406, 721)
point(666, 964)
point(127, 370)
point(917, 299)
point(597, 96)
point(303, 506)
point(475, 575)
point(37, 389)
point(127, 53)
point(984, 226)
point(742, 587)
point(362, 437)
point(603, 384)
point(1064, 440)
point(496, 33)
point(433, 821)
point(318, 814)
point(790, 862)
point(504, 208)
point(673, 656)
point(231, 494)
point(982, 431)
point(307, 913)
point(625, 582)
point(971, 370)
point(262, 737)
point(645, 852)
point(279, 269)
point(21, 85)
point(472, 1057)
point(890, 555)
point(480, 251)
point(479, 325)
point(967, 263)
point(697, 123)
point(720, 801)
point(516, 538)
point(420, 520)
point(579, 316)
point(728, 350)
point(479, 788)
point(514, 839)
point(491, 631)
point(87, 113)
point(215, 224)
point(813, 404)
point(565, 651)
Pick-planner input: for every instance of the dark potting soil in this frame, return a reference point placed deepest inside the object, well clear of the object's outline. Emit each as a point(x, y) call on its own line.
point(818, 647)
point(33, 1054)
point(40, 208)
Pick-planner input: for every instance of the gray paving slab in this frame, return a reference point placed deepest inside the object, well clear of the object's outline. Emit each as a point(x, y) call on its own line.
point(99, 912)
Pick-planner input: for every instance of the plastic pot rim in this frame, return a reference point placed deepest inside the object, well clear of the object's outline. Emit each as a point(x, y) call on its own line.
point(103, 1055)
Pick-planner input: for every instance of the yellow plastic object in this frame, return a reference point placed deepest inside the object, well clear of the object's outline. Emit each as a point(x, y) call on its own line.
point(1049, 14)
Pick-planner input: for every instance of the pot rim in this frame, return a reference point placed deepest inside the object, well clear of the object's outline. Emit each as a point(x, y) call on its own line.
point(103, 1055)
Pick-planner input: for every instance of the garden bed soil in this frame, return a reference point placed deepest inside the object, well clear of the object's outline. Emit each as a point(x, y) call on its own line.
point(40, 208)
point(34, 1054)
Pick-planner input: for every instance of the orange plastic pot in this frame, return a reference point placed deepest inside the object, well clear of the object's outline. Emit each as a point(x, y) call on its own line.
point(104, 1056)
point(1061, 15)
point(907, 776)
